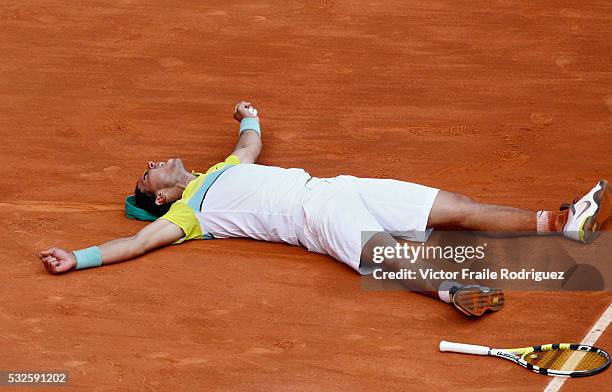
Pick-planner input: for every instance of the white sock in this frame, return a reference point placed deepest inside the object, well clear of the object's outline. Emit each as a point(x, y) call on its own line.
point(548, 222)
point(445, 288)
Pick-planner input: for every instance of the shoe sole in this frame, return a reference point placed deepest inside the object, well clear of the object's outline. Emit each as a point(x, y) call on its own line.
point(475, 302)
point(603, 198)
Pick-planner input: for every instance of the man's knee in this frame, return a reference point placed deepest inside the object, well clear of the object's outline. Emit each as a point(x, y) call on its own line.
point(466, 207)
point(378, 240)
point(452, 209)
point(463, 201)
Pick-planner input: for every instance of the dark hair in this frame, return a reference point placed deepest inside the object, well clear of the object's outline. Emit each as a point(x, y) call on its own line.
point(146, 201)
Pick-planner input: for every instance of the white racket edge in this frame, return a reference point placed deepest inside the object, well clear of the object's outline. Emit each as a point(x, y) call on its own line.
point(464, 348)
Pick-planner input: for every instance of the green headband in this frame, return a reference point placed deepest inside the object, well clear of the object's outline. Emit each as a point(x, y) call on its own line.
point(133, 212)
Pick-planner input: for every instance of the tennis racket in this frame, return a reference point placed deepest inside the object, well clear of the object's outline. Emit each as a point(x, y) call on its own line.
point(563, 359)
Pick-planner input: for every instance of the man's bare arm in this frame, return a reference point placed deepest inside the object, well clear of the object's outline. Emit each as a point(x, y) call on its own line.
point(249, 143)
point(157, 234)
point(248, 147)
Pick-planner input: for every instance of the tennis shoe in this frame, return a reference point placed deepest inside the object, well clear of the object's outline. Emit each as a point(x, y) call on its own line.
point(587, 215)
point(475, 300)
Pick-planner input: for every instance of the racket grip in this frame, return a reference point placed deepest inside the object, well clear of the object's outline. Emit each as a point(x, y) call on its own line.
point(464, 348)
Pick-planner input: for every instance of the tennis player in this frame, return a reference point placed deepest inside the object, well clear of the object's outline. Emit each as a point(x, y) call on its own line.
point(344, 216)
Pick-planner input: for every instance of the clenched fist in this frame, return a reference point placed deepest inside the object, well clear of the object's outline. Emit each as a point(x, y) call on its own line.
point(245, 110)
point(57, 261)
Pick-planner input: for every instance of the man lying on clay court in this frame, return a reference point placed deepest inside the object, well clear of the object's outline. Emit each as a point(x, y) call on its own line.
point(238, 198)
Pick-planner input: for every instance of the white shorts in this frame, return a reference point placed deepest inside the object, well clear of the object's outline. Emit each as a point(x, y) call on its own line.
point(342, 213)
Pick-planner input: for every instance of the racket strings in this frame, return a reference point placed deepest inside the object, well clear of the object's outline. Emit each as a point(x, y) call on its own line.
point(591, 361)
point(566, 360)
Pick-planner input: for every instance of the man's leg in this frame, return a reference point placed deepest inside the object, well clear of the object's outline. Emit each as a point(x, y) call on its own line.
point(338, 224)
point(454, 209)
point(472, 300)
point(382, 239)
point(579, 220)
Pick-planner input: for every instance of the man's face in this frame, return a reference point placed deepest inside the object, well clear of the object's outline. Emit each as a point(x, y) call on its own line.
point(160, 175)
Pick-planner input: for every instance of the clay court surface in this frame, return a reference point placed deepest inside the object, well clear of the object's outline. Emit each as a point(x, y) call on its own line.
point(509, 102)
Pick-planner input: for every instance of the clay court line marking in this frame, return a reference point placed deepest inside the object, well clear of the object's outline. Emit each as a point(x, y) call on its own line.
point(45, 206)
point(573, 360)
point(591, 337)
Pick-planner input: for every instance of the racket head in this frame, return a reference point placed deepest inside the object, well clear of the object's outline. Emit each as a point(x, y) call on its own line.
point(564, 359)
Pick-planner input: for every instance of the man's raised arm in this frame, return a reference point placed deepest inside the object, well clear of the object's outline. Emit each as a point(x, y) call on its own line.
point(157, 234)
point(248, 147)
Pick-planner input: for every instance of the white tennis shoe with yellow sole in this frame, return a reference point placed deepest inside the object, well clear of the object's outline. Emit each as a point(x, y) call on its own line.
point(587, 215)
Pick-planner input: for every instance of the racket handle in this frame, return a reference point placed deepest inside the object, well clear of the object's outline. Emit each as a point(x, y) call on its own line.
point(464, 348)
